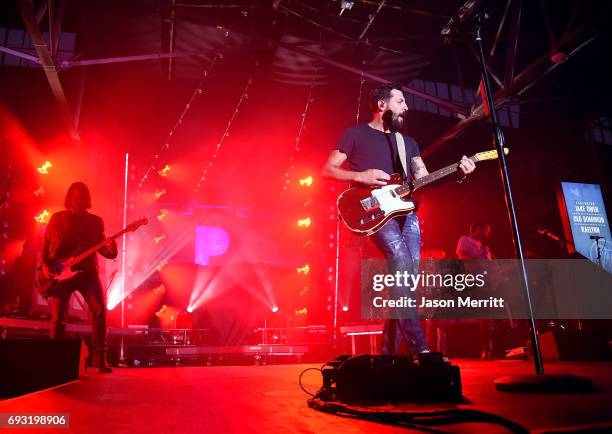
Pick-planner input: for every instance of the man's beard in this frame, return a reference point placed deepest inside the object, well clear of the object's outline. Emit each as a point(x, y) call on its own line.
point(395, 122)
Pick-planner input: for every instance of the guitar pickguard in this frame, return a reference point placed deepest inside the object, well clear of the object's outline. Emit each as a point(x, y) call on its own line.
point(389, 202)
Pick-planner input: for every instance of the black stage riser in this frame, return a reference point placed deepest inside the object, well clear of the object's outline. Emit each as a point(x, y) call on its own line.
point(28, 365)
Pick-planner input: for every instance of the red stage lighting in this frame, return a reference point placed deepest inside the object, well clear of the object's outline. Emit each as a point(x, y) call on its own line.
point(306, 182)
point(161, 265)
point(163, 213)
point(304, 223)
point(44, 169)
point(304, 269)
point(160, 289)
point(43, 217)
point(165, 171)
point(39, 192)
point(159, 193)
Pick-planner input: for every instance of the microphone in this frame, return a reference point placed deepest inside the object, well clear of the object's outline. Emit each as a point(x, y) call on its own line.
point(345, 5)
point(596, 237)
point(460, 22)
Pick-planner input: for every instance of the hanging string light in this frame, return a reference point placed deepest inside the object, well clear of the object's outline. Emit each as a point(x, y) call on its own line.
point(245, 95)
point(298, 138)
point(5, 204)
point(361, 82)
point(197, 92)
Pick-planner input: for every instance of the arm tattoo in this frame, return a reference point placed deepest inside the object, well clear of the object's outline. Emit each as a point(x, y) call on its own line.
point(418, 167)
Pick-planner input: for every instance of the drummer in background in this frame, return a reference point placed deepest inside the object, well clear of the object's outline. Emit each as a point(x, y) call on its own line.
point(475, 245)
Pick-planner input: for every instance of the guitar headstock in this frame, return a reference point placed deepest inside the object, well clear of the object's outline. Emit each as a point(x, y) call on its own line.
point(489, 155)
point(136, 224)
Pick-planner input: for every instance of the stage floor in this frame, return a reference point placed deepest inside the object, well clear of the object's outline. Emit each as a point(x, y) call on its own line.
point(225, 399)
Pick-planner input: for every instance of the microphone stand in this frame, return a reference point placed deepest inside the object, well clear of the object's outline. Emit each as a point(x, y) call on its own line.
point(596, 238)
point(540, 382)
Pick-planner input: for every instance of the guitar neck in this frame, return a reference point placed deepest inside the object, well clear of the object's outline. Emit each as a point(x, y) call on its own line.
point(438, 174)
point(81, 256)
point(408, 188)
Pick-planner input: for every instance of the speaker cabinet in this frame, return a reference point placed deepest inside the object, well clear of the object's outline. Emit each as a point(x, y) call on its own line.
point(28, 365)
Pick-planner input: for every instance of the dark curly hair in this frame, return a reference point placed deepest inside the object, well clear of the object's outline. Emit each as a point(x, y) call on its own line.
point(382, 92)
point(479, 224)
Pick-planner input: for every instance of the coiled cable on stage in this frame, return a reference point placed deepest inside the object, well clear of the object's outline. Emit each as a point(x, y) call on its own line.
point(300, 380)
point(408, 419)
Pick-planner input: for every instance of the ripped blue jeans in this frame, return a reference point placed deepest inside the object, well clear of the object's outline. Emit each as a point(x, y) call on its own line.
point(401, 245)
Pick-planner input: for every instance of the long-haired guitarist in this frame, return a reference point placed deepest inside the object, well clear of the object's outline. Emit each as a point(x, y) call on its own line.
point(371, 153)
point(69, 232)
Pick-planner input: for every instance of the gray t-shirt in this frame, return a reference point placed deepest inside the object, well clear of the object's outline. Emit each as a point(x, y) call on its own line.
point(471, 248)
point(368, 148)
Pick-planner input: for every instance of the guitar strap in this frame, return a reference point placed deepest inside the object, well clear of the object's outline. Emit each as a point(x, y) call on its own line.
point(401, 150)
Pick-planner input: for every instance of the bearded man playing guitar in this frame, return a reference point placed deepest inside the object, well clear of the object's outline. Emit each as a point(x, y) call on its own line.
point(69, 232)
point(371, 153)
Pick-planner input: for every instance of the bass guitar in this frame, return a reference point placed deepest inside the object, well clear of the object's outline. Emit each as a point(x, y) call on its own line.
point(366, 209)
point(63, 269)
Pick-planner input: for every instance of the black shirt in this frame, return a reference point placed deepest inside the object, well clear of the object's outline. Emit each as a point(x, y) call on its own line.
point(368, 148)
point(70, 233)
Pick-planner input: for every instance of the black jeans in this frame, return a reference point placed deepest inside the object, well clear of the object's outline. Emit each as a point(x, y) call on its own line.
point(401, 246)
point(89, 285)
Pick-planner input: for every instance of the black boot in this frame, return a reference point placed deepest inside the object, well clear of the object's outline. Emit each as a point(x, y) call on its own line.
point(100, 361)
